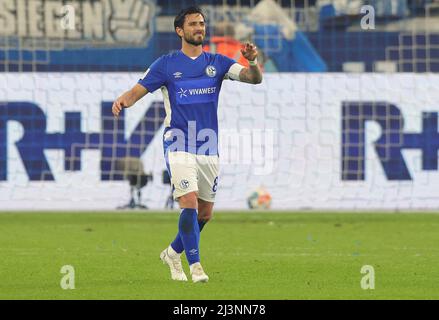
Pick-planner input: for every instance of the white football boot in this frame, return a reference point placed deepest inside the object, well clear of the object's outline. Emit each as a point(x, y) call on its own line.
point(173, 260)
point(198, 274)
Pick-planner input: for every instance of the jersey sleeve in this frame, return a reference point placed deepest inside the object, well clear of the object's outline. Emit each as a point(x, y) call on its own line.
point(155, 76)
point(226, 63)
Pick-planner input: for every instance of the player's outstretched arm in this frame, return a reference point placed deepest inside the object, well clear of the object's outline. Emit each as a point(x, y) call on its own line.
point(128, 99)
point(253, 74)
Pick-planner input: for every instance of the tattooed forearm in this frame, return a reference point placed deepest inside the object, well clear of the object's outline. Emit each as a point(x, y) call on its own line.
point(251, 75)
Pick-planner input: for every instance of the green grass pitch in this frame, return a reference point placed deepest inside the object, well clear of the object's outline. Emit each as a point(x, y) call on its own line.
point(272, 255)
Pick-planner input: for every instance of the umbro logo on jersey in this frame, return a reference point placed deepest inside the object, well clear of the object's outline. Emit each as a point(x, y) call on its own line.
point(211, 71)
point(178, 75)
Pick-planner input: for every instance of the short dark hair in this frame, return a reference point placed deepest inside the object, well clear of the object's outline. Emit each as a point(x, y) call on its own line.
point(179, 19)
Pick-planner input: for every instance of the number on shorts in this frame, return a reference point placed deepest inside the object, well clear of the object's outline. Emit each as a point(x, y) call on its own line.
point(215, 184)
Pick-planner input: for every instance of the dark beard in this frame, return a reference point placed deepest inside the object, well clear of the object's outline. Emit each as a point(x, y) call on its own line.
point(194, 42)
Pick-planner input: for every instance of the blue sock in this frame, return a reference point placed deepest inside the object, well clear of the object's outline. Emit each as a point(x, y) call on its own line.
point(177, 244)
point(201, 224)
point(190, 234)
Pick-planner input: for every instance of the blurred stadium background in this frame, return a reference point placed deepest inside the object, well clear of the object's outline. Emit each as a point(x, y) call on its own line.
point(318, 36)
point(345, 119)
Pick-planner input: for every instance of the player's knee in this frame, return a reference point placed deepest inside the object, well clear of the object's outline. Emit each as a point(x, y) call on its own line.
point(189, 200)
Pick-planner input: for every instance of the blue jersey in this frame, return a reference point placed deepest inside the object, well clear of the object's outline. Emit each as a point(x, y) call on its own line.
point(190, 90)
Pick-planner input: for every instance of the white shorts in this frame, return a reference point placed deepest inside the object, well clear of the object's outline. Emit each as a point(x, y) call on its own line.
point(193, 173)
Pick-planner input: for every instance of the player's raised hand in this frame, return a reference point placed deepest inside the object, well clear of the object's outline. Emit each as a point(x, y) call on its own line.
point(249, 51)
